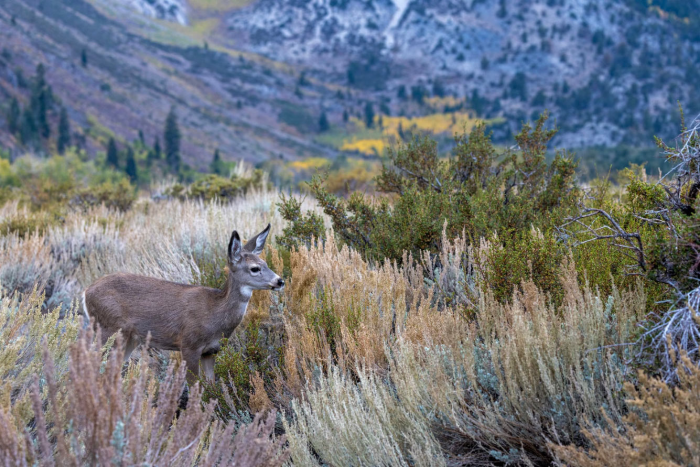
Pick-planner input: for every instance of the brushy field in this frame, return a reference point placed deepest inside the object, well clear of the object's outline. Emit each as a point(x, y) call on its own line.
point(417, 360)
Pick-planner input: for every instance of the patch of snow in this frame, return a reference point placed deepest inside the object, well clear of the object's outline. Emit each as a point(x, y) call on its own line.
point(401, 7)
point(171, 10)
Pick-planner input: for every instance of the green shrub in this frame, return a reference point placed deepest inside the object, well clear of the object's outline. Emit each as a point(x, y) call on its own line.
point(301, 228)
point(477, 190)
point(244, 356)
point(25, 223)
point(67, 181)
point(526, 256)
point(120, 195)
point(209, 272)
point(217, 187)
point(324, 320)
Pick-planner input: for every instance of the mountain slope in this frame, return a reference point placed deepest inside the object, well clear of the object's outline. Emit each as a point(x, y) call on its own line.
point(130, 82)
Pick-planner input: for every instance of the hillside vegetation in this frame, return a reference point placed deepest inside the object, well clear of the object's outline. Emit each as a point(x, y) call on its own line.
point(481, 309)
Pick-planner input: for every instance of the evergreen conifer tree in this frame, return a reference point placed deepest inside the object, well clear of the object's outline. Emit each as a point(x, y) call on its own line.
point(369, 115)
point(130, 169)
point(63, 131)
point(171, 137)
point(216, 165)
point(41, 101)
point(112, 154)
point(28, 130)
point(154, 152)
point(156, 149)
point(14, 115)
point(84, 58)
point(323, 124)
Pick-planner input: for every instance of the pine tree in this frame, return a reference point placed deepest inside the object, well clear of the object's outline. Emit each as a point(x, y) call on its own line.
point(171, 137)
point(156, 149)
point(402, 135)
point(112, 154)
point(154, 154)
point(63, 131)
point(41, 101)
point(14, 114)
point(131, 165)
point(142, 138)
point(346, 117)
point(323, 124)
point(369, 115)
point(216, 165)
point(28, 130)
point(402, 94)
point(83, 58)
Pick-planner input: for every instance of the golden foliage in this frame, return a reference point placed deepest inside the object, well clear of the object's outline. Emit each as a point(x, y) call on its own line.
point(365, 146)
point(395, 128)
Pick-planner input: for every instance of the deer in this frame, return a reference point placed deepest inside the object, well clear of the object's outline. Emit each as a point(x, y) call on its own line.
point(191, 319)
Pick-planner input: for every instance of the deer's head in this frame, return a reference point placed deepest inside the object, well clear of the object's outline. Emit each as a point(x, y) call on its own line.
point(248, 271)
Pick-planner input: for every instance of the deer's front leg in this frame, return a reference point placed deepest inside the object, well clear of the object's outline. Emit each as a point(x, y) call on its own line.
point(191, 358)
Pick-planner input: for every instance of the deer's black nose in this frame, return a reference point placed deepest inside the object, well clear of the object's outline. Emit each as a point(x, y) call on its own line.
point(280, 282)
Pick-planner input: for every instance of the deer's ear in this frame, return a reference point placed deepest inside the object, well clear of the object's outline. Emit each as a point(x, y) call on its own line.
point(256, 244)
point(234, 248)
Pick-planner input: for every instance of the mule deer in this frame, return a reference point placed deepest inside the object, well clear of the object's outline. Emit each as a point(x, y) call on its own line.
point(188, 318)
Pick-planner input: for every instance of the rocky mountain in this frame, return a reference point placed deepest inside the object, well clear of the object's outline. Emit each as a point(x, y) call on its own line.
point(609, 71)
point(253, 78)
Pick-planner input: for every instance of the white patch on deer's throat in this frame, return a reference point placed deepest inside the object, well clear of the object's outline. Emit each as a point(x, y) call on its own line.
point(247, 292)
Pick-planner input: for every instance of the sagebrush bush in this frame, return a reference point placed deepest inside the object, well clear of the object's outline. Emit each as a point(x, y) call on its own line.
point(364, 424)
point(26, 332)
point(495, 389)
point(662, 427)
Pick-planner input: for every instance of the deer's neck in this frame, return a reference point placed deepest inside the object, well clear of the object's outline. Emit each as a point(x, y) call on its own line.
point(233, 303)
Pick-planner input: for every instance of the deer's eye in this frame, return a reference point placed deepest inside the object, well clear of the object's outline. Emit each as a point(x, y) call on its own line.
point(255, 269)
